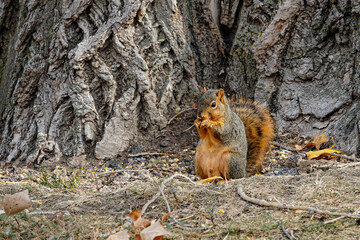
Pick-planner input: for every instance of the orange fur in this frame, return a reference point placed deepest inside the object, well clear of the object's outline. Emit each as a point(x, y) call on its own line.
point(259, 129)
point(212, 157)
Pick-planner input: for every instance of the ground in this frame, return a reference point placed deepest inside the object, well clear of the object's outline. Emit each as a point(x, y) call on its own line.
point(88, 198)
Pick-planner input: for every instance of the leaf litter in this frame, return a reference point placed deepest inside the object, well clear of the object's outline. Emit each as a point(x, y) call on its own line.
point(106, 193)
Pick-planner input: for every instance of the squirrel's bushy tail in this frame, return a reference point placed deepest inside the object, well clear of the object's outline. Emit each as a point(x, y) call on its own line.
point(259, 128)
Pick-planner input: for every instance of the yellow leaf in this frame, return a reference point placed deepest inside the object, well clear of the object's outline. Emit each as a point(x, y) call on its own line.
point(210, 179)
point(317, 142)
point(320, 139)
point(324, 153)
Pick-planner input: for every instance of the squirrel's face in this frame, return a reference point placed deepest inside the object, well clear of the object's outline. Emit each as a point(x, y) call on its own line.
point(211, 105)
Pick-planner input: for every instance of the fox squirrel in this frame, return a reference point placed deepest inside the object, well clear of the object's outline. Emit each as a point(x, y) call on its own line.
point(232, 142)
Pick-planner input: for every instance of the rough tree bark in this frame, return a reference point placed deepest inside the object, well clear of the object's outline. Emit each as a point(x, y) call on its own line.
point(88, 76)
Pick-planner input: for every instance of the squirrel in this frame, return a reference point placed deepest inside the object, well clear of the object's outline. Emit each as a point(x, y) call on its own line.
point(234, 136)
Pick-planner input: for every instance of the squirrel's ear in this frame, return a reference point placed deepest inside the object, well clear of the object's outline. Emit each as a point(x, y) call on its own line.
point(221, 95)
point(204, 90)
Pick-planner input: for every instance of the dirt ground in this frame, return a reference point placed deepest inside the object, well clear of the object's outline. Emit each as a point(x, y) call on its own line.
point(85, 198)
point(89, 202)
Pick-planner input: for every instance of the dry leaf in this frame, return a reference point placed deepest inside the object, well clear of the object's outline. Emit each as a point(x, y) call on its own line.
point(122, 235)
point(325, 153)
point(299, 148)
point(317, 142)
point(210, 179)
point(139, 222)
point(154, 231)
point(135, 214)
point(166, 216)
point(308, 145)
point(137, 237)
point(16, 202)
point(320, 139)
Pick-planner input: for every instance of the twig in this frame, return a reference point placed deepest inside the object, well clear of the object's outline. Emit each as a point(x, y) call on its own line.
point(169, 210)
point(346, 157)
point(341, 217)
point(346, 165)
point(334, 220)
point(288, 148)
point(42, 213)
point(161, 192)
point(289, 207)
point(143, 210)
point(185, 110)
point(14, 182)
point(285, 232)
point(146, 154)
point(118, 171)
point(188, 128)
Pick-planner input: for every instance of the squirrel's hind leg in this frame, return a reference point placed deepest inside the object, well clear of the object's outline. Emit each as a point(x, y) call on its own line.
point(237, 165)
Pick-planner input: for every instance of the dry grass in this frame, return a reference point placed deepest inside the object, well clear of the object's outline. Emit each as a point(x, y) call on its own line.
point(97, 204)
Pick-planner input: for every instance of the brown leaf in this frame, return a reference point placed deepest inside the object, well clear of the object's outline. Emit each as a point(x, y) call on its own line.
point(166, 216)
point(308, 145)
point(141, 223)
point(155, 230)
point(137, 237)
point(122, 235)
point(322, 154)
point(135, 214)
point(320, 139)
point(16, 202)
point(317, 142)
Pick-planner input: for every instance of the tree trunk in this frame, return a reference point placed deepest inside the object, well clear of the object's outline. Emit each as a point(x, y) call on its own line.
point(93, 77)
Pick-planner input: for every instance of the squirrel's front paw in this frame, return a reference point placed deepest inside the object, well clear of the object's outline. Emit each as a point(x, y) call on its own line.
point(206, 123)
point(197, 122)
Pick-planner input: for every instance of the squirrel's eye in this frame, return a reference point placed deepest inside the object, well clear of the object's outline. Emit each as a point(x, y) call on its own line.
point(213, 105)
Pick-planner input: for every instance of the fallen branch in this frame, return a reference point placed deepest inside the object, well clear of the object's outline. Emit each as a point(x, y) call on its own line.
point(146, 154)
point(289, 207)
point(341, 217)
point(287, 235)
point(334, 220)
point(162, 186)
point(161, 192)
point(346, 165)
point(169, 210)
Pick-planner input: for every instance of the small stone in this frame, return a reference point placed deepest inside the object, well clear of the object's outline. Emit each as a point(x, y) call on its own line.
point(136, 150)
point(164, 144)
point(114, 164)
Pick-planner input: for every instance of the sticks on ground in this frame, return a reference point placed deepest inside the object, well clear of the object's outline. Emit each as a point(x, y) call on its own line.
point(161, 192)
point(289, 207)
point(146, 154)
point(287, 235)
